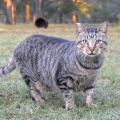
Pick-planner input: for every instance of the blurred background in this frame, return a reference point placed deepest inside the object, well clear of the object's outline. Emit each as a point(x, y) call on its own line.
point(17, 21)
point(59, 11)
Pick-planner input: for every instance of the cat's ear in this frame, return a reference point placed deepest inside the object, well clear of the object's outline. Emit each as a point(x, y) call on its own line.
point(80, 27)
point(103, 27)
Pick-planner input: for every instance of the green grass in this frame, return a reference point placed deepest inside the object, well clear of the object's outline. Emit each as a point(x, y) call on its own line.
point(15, 103)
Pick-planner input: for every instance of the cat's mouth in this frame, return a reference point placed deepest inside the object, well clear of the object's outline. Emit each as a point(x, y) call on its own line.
point(92, 54)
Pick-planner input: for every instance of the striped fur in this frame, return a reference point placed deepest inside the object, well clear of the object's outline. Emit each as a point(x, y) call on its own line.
point(9, 67)
point(54, 63)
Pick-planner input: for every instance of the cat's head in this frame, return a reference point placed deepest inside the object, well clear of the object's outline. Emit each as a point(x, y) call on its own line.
point(92, 40)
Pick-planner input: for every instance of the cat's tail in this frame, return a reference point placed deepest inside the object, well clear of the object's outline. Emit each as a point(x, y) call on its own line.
point(9, 67)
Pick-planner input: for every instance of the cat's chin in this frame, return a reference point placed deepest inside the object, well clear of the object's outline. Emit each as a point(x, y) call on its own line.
point(93, 55)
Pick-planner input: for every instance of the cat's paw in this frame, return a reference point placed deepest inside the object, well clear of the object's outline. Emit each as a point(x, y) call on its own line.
point(41, 100)
point(70, 107)
point(91, 105)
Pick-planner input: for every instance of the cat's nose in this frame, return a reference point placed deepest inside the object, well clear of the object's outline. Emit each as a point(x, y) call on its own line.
point(91, 47)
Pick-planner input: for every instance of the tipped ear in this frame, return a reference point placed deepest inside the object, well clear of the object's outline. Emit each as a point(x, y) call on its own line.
point(103, 27)
point(80, 27)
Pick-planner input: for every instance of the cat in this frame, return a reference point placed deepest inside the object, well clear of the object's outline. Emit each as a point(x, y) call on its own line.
point(53, 63)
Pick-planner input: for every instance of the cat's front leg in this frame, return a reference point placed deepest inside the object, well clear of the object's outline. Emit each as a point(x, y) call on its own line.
point(88, 97)
point(66, 87)
point(69, 99)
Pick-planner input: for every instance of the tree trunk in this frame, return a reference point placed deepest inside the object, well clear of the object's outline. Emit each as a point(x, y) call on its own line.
point(38, 4)
point(9, 11)
point(27, 12)
point(60, 17)
point(13, 14)
point(9, 15)
point(60, 12)
point(118, 16)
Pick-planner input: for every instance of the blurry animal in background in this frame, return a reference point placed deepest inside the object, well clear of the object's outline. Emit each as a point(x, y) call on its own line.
point(41, 23)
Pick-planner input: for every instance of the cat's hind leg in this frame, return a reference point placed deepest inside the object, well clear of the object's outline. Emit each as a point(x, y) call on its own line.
point(35, 94)
point(41, 88)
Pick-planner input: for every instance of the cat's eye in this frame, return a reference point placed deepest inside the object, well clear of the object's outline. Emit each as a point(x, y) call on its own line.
point(98, 41)
point(84, 41)
point(105, 42)
point(101, 42)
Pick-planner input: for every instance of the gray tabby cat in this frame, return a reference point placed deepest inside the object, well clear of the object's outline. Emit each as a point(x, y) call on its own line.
point(54, 63)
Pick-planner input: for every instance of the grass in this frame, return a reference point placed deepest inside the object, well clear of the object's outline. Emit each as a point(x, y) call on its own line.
point(15, 103)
